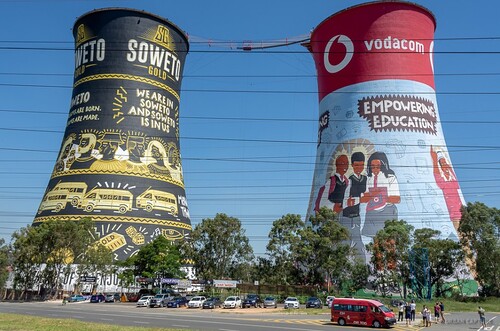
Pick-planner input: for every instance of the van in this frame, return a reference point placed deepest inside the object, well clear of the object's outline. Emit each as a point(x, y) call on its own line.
point(105, 198)
point(154, 199)
point(363, 312)
point(57, 198)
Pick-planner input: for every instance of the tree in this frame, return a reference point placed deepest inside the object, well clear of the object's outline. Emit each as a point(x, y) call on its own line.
point(284, 234)
point(357, 276)
point(445, 256)
point(322, 251)
point(218, 246)
point(97, 259)
point(479, 232)
point(41, 254)
point(159, 258)
point(390, 253)
point(4, 263)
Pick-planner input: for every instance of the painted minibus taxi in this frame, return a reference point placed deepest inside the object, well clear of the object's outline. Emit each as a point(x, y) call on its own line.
point(154, 199)
point(363, 312)
point(113, 199)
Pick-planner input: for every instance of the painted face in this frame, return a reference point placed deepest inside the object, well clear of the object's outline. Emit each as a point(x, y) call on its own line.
point(358, 166)
point(445, 167)
point(342, 164)
point(375, 165)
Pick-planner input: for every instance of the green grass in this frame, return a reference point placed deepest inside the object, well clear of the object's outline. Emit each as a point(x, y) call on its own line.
point(14, 322)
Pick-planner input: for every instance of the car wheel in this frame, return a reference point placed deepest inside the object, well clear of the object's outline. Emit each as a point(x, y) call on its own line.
point(341, 322)
point(376, 324)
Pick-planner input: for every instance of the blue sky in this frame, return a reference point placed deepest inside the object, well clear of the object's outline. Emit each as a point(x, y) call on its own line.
point(248, 120)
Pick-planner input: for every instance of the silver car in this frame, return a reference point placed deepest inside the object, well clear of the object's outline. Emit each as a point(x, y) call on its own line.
point(270, 302)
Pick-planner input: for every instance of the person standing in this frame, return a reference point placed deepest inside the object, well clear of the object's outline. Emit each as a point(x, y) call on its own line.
point(413, 308)
point(408, 314)
point(441, 312)
point(425, 315)
point(437, 311)
point(482, 319)
point(401, 311)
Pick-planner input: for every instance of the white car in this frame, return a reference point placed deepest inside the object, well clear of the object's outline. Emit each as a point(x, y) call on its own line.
point(196, 302)
point(232, 302)
point(144, 301)
point(292, 302)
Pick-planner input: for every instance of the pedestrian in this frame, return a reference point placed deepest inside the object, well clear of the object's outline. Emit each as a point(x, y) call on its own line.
point(401, 311)
point(480, 311)
point(408, 314)
point(425, 321)
point(413, 307)
point(441, 312)
point(437, 311)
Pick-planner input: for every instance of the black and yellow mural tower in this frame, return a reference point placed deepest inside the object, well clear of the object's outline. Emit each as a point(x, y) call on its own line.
point(120, 161)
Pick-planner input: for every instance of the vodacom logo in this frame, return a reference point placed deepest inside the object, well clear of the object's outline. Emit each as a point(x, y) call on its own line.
point(349, 51)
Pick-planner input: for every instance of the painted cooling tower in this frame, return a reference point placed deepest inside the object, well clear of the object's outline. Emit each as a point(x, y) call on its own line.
point(381, 152)
point(120, 161)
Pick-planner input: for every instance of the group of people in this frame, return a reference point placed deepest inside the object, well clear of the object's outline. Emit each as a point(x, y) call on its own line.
point(407, 312)
point(365, 199)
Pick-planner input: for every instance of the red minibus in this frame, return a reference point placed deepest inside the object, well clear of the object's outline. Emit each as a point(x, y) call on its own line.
point(363, 312)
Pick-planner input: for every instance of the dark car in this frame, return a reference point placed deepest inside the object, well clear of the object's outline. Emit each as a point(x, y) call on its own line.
point(313, 302)
point(177, 302)
point(211, 303)
point(96, 298)
point(252, 300)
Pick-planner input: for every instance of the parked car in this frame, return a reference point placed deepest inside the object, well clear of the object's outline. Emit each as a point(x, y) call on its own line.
point(270, 302)
point(76, 298)
point(118, 297)
point(96, 298)
point(211, 303)
point(109, 298)
point(232, 302)
point(313, 302)
point(252, 300)
point(144, 301)
point(159, 300)
point(177, 302)
point(292, 302)
point(134, 297)
point(196, 302)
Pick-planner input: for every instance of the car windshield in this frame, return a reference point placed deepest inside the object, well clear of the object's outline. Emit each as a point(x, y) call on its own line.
point(312, 299)
point(291, 299)
point(269, 299)
point(231, 299)
point(384, 309)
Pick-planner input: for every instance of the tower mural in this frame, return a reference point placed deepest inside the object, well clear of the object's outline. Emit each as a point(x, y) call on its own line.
point(120, 161)
point(381, 152)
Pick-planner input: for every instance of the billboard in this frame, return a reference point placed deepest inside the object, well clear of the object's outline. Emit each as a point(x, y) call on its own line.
point(381, 152)
point(120, 161)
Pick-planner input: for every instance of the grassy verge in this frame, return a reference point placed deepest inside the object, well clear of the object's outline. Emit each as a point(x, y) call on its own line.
point(14, 322)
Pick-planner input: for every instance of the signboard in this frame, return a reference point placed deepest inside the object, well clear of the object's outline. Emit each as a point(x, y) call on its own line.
point(225, 283)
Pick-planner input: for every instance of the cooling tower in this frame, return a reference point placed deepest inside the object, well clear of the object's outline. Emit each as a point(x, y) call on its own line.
point(381, 153)
point(120, 161)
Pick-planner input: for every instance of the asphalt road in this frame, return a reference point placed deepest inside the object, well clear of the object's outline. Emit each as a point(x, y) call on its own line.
point(251, 319)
